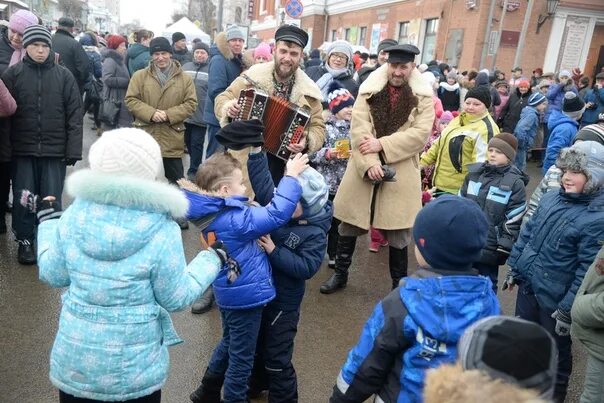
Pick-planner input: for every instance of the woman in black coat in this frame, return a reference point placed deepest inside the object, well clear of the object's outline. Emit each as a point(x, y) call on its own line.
point(510, 115)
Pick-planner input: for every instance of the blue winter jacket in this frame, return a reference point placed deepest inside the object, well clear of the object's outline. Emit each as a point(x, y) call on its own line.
point(416, 327)
point(239, 226)
point(562, 131)
point(555, 98)
point(120, 254)
point(224, 68)
point(526, 128)
point(595, 96)
point(299, 245)
point(557, 245)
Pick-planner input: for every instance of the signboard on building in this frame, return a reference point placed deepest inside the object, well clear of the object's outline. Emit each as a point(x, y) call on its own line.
point(379, 32)
point(493, 42)
point(575, 35)
point(250, 10)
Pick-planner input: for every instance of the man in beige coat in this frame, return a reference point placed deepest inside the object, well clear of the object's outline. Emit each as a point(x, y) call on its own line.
point(391, 121)
point(282, 78)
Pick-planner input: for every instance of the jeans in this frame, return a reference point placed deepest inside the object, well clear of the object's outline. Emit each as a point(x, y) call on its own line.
point(593, 388)
point(528, 308)
point(213, 144)
point(194, 139)
point(154, 397)
point(41, 176)
point(520, 160)
point(233, 357)
point(488, 270)
point(273, 368)
point(173, 169)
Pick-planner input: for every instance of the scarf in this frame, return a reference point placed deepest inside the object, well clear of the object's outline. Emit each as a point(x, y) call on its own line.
point(17, 56)
point(164, 75)
point(283, 89)
point(326, 79)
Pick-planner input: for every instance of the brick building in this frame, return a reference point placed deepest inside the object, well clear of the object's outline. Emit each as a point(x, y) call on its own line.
point(455, 31)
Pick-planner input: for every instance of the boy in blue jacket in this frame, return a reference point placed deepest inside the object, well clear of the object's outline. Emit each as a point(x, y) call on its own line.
point(556, 247)
point(418, 325)
point(526, 128)
point(219, 206)
point(295, 252)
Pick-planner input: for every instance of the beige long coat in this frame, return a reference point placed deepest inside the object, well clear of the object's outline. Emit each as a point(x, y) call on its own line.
point(397, 203)
point(177, 98)
point(304, 93)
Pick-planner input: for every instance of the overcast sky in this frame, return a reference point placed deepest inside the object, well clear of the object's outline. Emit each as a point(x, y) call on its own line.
point(153, 14)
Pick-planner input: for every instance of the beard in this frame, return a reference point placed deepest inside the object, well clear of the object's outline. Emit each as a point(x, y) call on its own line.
point(283, 71)
point(397, 81)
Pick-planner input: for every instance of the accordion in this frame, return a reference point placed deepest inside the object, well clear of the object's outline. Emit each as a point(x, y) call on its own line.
point(284, 122)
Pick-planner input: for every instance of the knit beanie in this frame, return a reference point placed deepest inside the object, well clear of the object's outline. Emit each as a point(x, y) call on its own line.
point(233, 32)
point(452, 75)
point(564, 73)
point(160, 44)
point(20, 20)
point(506, 143)
point(177, 36)
point(586, 157)
point(340, 47)
point(501, 83)
point(338, 97)
point(573, 106)
point(422, 67)
point(263, 50)
point(386, 43)
point(315, 192)
point(446, 117)
point(201, 45)
point(513, 350)
point(594, 132)
point(114, 41)
point(480, 93)
point(36, 33)
point(536, 99)
point(241, 134)
point(87, 39)
point(126, 151)
point(450, 233)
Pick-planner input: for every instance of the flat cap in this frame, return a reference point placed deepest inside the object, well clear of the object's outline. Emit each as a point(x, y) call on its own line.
point(402, 53)
point(291, 33)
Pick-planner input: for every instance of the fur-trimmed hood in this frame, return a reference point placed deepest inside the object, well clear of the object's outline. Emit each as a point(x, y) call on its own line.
point(379, 79)
point(222, 45)
point(263, 74)
point(451, 384)
point(127, 192)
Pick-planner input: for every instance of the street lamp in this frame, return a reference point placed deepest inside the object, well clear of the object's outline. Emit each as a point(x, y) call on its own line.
point(552, 5)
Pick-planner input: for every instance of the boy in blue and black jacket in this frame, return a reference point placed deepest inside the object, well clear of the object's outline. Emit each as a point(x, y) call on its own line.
point(295, 252)
point(526, 128)
point(418, 325)
point(499, 189)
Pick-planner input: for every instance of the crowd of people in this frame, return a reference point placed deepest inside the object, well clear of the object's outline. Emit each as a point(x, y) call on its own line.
point(427, 159)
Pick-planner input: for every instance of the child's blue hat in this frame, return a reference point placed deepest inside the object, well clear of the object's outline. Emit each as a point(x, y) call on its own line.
point(315, 191)
point(536, 98)
point(450, 233)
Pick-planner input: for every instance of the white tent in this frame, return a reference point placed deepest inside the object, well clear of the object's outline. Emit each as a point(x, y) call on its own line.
point(190, 30)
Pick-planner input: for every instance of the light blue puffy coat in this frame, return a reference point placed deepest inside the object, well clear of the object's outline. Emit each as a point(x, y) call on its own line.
point(121, 255)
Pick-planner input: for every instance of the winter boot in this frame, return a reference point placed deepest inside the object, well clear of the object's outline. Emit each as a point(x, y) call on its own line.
point(377, 239)
point(26, 254)
point(346, 245)
point(398, 263)
point(204, 303)
point(209, 390)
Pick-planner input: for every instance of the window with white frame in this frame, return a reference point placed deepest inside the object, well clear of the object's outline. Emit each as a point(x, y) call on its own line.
point(403, 32)
point(362, 36)
point(429, 48)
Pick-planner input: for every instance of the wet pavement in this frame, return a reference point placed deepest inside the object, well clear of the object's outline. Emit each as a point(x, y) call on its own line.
point(329, 325)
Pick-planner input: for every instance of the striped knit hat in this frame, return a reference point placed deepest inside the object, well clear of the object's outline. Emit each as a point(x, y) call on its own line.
point(36, 33)
point(338, 97)
point(536, 98)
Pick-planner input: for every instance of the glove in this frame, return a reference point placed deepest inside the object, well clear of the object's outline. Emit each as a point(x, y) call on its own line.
point(48, 210)
point(220, 250)
point(70, 161)
point(563, 322)
point(509, 281)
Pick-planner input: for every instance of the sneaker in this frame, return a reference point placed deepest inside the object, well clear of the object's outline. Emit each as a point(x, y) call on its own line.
point(374, 247)
point(26, 254)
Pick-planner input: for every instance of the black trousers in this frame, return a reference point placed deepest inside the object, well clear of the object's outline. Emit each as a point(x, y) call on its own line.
point(273, 368)
point(95, 106)
point(41, 176)
point(154, 397)
point(333, 235)
point(173, 169)
point(5, 172)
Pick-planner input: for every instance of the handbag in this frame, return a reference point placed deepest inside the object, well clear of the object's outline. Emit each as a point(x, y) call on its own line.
point(110, 111)
point(95, 90)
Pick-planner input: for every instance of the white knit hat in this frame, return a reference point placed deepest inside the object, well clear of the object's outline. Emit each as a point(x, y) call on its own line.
point(126, 151)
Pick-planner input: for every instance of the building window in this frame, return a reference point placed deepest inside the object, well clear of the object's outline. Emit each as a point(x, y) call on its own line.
point(238, 14)
point(429, 48)
point(262, 8)
point(347, 34)
point(334, 35)
point(362, 36)
point(403, 30)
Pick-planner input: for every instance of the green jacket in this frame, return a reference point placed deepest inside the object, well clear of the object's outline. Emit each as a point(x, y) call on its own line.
point(463, 142)
point(588, 309)
point(177, 98)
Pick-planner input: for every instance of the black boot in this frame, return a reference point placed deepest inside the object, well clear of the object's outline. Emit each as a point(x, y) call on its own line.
point(209, 390)
point(2, 223)
point(26, 254)
point(398, 263)
point(203, 303)
point(346, 245)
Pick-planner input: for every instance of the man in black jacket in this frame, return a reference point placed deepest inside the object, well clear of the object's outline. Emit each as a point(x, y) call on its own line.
point(70, 52)
point(46, 130)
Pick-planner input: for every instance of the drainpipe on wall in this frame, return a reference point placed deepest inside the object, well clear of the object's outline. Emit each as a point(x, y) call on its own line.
point(487, 32)
point(326, 23)
point(525, 24)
